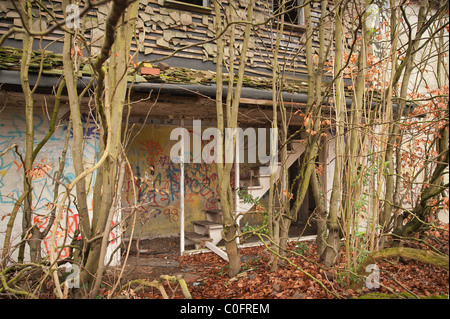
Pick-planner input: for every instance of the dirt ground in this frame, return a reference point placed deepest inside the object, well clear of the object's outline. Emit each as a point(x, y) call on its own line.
point(156, 257)
point(151, 258)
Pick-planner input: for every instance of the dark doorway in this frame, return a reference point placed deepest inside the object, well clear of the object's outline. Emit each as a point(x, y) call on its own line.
point(305, 224)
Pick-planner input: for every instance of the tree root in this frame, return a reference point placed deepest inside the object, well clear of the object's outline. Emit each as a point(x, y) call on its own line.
point(425, 256)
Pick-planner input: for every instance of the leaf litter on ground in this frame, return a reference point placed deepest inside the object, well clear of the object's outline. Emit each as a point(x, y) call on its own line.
point(256, 281)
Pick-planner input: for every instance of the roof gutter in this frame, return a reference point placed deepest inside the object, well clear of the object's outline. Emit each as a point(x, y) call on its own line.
point(51, 81)
point(210, 91)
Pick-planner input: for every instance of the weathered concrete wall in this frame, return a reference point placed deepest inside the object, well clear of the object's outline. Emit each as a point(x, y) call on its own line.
point(12, 131)
point(157, 182)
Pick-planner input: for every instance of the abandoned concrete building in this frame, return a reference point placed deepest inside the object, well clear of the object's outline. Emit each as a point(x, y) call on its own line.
point(174, 92)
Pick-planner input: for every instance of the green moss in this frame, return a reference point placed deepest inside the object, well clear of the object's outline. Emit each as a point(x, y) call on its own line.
point(10, 59)
point(52, 64)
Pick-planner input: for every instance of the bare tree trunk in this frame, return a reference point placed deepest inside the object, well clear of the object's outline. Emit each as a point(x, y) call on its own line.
point(70, 75)
point(111, 121)
point(313, 113)
point(30, 234)
point(119, 46)
point(315, 182)
point(352, 179)
point(274, 220)
point(391, 197)
point(320, 213)
point(330, 253)
point(230, 226)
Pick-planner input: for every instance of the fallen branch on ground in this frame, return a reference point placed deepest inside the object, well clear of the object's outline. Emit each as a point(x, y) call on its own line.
point(425, 256)
point(159, 284)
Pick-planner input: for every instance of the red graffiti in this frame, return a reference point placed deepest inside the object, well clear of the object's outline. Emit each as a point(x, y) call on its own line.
point(152, 149)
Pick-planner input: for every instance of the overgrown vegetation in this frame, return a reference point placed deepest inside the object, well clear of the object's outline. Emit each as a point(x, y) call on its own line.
point(375, 130)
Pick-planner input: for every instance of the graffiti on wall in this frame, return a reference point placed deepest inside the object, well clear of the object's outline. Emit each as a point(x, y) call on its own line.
point(152, 186)
point(12, 131)
point(151, 173)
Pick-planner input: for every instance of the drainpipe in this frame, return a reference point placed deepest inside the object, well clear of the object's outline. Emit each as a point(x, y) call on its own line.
point(182, 193)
